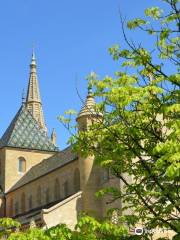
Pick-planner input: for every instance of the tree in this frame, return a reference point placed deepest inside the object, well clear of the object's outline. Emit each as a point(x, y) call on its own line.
point(139, 134)
point(90, 229)
point(7, 225)
point(86, 228)
point(29, 234)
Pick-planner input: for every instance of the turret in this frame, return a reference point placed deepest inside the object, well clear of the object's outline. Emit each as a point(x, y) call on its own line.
point(89, 172)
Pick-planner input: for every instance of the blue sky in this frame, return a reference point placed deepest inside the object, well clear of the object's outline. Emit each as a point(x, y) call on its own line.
point(71, 39)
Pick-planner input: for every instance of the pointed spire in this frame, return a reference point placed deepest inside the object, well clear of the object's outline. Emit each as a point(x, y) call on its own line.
point(88, 114)
point(89, 105)
point(33, 99)
point(33, 60)
point(53, 136)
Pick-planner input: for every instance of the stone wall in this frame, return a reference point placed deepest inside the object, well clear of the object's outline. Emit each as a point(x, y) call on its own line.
point(11, 159)
point(64, 212)
point(109, 181)
point(52, 187)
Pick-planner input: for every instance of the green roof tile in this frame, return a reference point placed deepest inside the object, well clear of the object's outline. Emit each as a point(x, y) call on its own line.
point(24, 132)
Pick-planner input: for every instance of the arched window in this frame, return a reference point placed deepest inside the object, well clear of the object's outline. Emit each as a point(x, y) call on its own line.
point(56, 189)
point(16, 208)
point(66, 189)
point(38, 196)
point(76, 180)
point(47, 196)
point(23, 203)
point(22, 165)
point(11, 207)
point(30, 202)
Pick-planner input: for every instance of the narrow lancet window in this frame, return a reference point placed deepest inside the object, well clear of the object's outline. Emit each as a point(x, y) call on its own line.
point(56, 189)
point(22, 165)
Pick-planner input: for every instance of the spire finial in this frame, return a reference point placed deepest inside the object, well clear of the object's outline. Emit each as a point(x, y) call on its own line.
point(92, 76)
point(33, 54)
point(89, 89)
point(33, 59)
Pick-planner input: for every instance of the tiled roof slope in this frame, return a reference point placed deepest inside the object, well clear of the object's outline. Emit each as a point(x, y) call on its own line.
point(24, 132)
point(46, 166)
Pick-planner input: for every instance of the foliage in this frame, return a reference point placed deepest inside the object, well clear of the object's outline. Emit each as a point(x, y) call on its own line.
point(91, 229)
point(61, 232)
point(30, 234)
point(7, 225)
point(139, 134)
point(86, 228)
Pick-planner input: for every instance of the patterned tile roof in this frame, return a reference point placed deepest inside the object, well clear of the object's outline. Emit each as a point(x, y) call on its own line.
point(46, 166)
point(24, 132)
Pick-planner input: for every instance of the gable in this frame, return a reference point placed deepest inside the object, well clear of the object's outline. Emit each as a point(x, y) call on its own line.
point(47, 166)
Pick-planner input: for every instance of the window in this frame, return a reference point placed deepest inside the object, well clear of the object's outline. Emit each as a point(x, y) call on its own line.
point(38, 196)
point(16, 208)
point(22, 165)
point(30, 202)
point(76, 180)
point(23, 203)
point(47, 196)
point(66, 189)
point(56, 189)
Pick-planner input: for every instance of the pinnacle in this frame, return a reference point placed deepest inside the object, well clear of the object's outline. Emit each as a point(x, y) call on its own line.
point(33, 99)
point(33, 59)
point(89, 105)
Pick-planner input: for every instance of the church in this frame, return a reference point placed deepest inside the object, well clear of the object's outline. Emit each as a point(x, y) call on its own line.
point(38, 182)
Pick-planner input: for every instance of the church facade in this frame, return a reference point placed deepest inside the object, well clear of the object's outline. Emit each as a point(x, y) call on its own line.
point(38, 182)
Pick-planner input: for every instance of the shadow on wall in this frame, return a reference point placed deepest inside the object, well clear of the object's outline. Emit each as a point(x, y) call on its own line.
point(2, 205)
point(79, 207)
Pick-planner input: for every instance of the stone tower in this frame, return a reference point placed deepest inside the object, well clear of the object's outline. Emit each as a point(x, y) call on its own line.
point(90, 174)
point(33, 99)
point(25, 141)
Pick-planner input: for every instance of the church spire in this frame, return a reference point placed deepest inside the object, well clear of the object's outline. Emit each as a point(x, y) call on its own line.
point(33, 99)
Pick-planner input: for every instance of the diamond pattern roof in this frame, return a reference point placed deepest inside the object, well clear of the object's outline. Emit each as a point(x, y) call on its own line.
point(24, 132)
